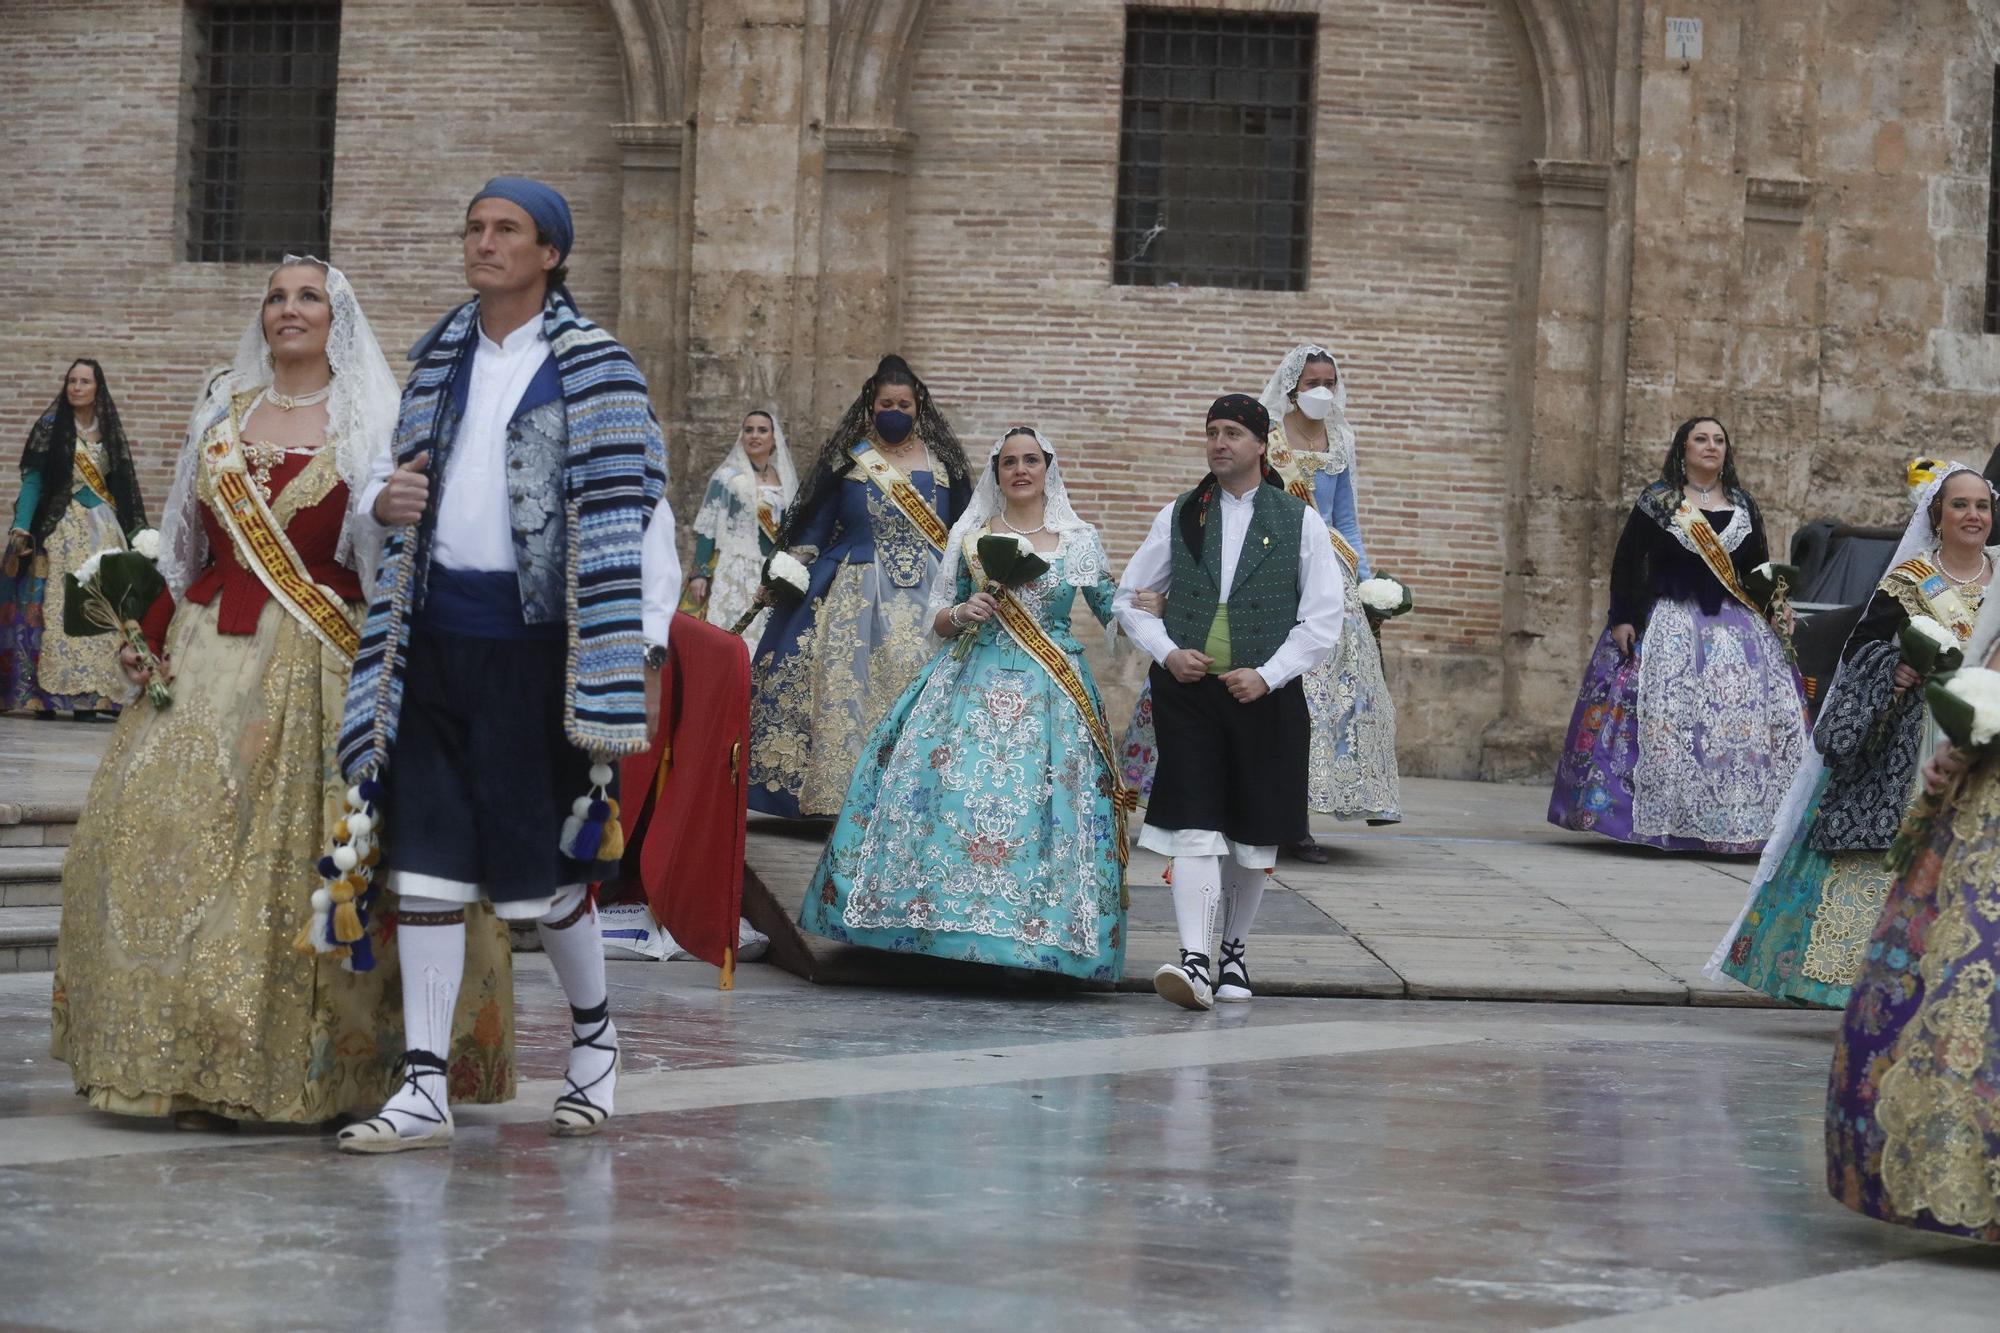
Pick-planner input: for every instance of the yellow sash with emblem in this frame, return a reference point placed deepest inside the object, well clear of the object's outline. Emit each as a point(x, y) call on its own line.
point(1922, 588)
point(1026, 631)
point(902, 492)
point(1694, 524)
point(1292, 466)
point(87, 468)
point(264, 549)
point(767, 522)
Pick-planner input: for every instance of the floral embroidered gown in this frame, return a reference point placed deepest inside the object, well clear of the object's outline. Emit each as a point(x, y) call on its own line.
point(1690, 744)
point(177, 984)
point(1803, 932)
point(45, 670)
point(828, 668)
point(1913, 1099)
point(980, 825)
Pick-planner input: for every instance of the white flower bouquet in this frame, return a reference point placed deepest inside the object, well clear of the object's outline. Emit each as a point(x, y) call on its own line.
point(1009, 562)
point(786, 581)
point(1929, 647)
point(108, 594)
point(1383, 598)
point(1966, 706)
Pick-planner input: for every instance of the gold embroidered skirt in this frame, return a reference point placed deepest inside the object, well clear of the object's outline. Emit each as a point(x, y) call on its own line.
point(89, 666)
point(177, 986)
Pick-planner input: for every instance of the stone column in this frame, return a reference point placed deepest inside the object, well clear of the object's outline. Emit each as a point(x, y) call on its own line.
point(1561, 527)
point(860, 259)
point(652, 287)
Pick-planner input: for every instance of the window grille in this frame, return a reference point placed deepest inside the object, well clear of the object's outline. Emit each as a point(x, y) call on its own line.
point(1993, 218)
point(1215, 152)
point(260, 136)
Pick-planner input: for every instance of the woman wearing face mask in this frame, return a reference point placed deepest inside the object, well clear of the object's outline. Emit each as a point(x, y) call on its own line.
point(870, 525)
point(79, 495)
point(737, 527)
point(179, 986)
point(1691, 719)
point(1822, 883)
point(986, 825)
point(1353, 745)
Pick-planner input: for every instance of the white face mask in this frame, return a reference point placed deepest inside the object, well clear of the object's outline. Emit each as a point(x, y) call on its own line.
point(1316, 403)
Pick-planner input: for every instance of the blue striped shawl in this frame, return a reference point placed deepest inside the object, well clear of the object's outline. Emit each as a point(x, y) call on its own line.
point(613, 476)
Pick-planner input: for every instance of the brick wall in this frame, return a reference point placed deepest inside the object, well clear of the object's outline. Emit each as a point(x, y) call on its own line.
point(433, 99)
point(1010, 313)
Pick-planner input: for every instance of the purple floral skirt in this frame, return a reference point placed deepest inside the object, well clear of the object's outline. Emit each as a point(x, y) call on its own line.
point(1691, 744)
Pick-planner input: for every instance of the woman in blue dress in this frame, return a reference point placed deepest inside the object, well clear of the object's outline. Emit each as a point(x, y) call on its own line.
point(870, 524)
point(986, 822)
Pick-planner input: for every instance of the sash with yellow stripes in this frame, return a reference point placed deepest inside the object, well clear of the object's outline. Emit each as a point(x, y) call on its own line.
point(900, 490)
point(1298, 478)
point(1020, 623)
point(1923, 589)
point(1694, 524)
point(92, 478)
point(767, 522)
point(264, 549)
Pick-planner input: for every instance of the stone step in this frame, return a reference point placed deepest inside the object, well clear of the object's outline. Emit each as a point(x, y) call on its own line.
point(28, 938)
point(31, 876)
point(37, 823)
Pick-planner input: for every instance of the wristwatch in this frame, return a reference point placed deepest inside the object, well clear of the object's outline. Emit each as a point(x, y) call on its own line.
point(656, 657)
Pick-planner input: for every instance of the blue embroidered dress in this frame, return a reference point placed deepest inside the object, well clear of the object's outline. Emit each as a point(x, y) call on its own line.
point(980, 825)
point(828, 667)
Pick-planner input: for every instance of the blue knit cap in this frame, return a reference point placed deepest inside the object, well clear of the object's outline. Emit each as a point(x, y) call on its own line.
point(543, 203)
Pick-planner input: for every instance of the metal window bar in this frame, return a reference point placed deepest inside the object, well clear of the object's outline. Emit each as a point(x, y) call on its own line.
point(1215, 151)
point(260, 165)
point(1993, 218)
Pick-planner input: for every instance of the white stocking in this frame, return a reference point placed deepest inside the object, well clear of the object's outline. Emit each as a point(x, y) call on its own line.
point(1243, 892)
point(430, 944)
point(1197, 889)
point(575, 947)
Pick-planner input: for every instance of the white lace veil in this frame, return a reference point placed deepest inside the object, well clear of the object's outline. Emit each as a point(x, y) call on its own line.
point(1919, 538)
point(738, 459)
point(361, 418)
point(1081, 551)
point(1277, 400)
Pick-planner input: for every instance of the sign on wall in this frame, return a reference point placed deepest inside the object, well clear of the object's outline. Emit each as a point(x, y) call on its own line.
point(1683, 39)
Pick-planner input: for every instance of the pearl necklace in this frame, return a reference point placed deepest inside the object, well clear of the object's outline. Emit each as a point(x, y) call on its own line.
point(1025, 532)
point(1985, 562)
point(285, 403)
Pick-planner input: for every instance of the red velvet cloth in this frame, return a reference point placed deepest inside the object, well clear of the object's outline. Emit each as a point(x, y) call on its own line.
point(684, 841)
point(314, 534)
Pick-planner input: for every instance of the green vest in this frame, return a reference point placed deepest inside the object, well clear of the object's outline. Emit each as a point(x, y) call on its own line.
point(1263, 603)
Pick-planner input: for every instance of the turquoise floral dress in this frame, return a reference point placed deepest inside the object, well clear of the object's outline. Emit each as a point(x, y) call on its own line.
point(980, 822)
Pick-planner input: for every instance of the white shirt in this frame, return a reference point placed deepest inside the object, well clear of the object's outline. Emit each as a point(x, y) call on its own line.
point(1322, 588)
point(475, 526)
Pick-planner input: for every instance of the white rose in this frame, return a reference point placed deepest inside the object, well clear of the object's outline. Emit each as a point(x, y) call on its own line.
point(147, 543)
point(1979, 687)
point(86, 573)
point(786, 569)
point(1027, 547)
point(1933, 631)
point(1381, 594)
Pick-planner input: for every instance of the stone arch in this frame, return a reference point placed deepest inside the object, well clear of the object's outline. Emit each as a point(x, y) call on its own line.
point(652, 41)
point(871, 43)
point(1572, 86)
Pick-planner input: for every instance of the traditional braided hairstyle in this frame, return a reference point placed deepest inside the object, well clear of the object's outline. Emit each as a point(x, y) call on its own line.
point(834, 461)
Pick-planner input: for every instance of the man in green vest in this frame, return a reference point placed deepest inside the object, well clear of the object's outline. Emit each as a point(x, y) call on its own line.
point(1253, 602)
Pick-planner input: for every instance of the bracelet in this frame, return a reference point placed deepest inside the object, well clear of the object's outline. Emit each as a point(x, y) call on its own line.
point(957, 622)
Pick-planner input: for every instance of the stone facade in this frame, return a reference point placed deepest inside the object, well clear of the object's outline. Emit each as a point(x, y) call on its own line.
point(1538, 242)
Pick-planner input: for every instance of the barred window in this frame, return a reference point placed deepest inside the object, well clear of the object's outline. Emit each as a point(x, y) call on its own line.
point(1215, 153)
point(260, 129)
point(1993, 218)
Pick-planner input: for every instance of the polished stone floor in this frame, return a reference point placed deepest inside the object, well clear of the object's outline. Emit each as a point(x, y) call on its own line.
point(794, 1157)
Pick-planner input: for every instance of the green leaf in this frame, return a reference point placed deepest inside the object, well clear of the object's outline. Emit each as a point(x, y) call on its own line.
point(1953, 714)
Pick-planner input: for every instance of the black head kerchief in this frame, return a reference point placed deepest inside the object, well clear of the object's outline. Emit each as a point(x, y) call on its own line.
point(1245, 411)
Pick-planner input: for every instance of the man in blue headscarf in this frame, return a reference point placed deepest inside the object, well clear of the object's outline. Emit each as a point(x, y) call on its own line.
point(512, 648)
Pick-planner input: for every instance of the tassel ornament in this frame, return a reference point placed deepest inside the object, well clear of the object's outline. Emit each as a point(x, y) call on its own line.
point(592, 831)
point(342, 904)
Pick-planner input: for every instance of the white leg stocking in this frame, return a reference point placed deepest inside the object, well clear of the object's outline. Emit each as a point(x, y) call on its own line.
point(570, 938)
point(430, 943)
point(1197, 889)
point(1243, 893)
